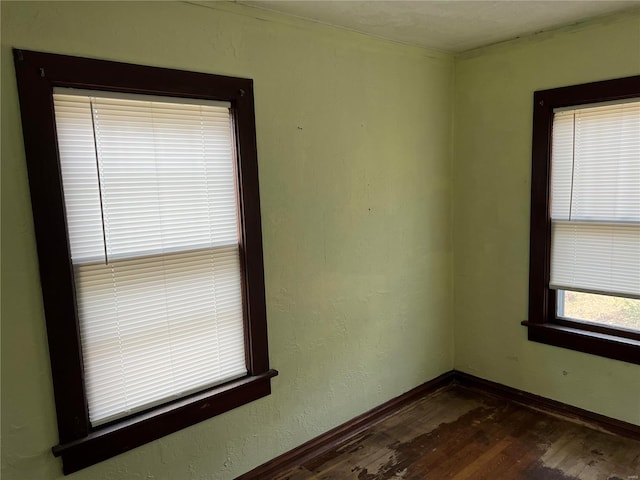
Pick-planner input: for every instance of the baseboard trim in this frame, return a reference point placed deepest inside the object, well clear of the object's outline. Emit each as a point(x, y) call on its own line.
point(591, 419)
point(328, 440)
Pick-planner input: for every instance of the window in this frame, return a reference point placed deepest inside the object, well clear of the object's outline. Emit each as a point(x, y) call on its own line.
point(144, 190)
point(584, 284)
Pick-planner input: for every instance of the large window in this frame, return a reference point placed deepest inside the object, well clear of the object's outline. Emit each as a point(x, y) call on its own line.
point(585, 219)
point(145, 199)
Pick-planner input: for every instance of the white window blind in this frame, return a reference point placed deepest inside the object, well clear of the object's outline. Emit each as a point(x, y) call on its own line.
point(595, 199)
point(150, 200)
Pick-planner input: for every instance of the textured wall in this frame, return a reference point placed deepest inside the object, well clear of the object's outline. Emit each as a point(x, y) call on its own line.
point(492, 168)
point(354, 138)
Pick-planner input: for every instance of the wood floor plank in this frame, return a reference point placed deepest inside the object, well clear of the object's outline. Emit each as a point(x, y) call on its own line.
point(480, 463)
point(297, 473)
point(462, 434)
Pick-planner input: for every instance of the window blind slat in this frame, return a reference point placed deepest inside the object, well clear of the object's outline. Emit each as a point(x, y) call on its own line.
point(152, 218)
point(597, 258)
point(595, 199)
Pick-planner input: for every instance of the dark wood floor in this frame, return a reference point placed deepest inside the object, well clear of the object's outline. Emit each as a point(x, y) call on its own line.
point(458, 433)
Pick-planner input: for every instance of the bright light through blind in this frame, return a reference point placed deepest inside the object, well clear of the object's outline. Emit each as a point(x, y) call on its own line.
point(595, 202)
point(151, 213)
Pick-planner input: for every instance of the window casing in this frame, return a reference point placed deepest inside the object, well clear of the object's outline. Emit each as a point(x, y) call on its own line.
point(544, 323)
point(86, 439)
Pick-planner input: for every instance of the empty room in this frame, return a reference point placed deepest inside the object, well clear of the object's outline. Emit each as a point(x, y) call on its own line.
point(320, 240)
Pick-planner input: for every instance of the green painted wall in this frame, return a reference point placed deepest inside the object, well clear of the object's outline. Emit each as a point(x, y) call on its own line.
point(363, 206)
point(492, 165)
point(354, 140)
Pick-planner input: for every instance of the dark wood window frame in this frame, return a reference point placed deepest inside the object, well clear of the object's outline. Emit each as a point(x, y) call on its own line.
point(544, 325)
point(37, 74)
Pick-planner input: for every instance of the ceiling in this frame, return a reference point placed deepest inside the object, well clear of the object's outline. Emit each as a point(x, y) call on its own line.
point(453, 26)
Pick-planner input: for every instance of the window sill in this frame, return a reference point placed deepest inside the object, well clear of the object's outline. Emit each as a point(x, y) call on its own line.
point(110, 440)
point(596, 343)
